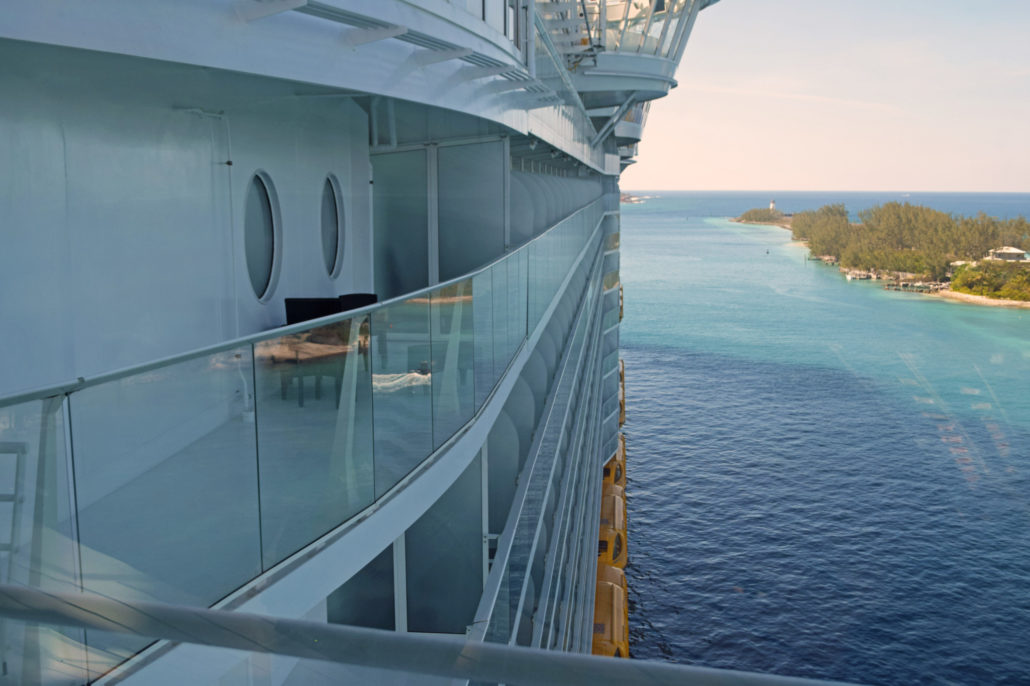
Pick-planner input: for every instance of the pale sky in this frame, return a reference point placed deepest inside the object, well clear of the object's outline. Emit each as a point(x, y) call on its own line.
point(897, 95)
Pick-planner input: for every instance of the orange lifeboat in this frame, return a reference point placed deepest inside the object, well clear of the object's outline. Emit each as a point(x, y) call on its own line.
point(614, 575)
point(611, 544)
point(611, 635)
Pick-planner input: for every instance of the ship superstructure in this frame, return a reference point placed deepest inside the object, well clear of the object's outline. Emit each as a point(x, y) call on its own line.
point(311, 310)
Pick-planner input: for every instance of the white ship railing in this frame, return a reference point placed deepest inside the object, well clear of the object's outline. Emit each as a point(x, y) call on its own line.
point(183, 479)
point(318, 644)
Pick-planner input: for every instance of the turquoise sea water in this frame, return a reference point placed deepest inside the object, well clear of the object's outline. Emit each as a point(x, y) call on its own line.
point(826, 479)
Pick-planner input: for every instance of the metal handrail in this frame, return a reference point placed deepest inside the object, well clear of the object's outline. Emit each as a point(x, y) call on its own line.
point(66, 387)
point(422, 654)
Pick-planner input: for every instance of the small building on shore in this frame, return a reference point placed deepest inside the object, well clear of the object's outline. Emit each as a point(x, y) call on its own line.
point(1008, 254)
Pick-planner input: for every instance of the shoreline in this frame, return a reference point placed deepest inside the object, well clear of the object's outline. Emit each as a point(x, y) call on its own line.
point(971, 299)
point(783, 225)
point(944, 293)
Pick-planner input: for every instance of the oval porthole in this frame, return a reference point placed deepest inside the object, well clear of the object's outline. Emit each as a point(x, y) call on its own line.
point(332, 225)
point(259, 234)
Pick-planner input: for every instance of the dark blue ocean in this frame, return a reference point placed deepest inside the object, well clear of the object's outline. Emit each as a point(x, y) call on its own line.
point(826, 479)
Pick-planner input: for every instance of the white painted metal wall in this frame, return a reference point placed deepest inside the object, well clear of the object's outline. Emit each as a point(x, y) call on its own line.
point(123, 239)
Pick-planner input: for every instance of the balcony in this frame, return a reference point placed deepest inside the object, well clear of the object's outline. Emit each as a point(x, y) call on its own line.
point(183, 480)
point(621, 50)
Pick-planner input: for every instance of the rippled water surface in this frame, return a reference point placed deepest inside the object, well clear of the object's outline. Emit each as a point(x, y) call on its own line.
point(826, 479)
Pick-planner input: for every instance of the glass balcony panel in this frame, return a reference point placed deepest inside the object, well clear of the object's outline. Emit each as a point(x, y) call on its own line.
point(314, 427)
point(401, 390)
point(611, 36)
point(611, 385)
point(536, 273)
point(452, 348)
point(633, 25)
point(652, 38)
point(550, 247)
point(611, 280)
point(166, 487)
point(611, 318)
point(518, 288)
point(37, 540)
point(670, 33)
point(484, 322)
point(502, 317)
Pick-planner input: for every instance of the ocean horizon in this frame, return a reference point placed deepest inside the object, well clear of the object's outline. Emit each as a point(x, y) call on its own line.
point(826, 479)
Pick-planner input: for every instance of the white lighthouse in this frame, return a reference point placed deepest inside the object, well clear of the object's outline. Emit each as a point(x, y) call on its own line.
point(772, 205)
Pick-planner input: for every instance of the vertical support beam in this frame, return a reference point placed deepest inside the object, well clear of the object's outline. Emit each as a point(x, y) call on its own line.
point(391, 120)
point(371, 229)
point(531, 37)
point(400, 585)
point(433, 200)
point(483, 459)
point(66, 440)
point(684, 29)
point(506, 152)
point(373, 115)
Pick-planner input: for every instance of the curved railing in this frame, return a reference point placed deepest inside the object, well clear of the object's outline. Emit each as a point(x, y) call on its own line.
point(183, 479)
point(236, 638)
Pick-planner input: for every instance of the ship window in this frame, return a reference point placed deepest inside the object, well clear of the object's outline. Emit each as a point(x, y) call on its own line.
point(617, 548)
point(602, 547)
point(332, 225)
point(259, 235)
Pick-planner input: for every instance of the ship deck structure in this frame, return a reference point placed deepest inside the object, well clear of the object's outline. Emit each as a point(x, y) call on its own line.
point(182, 183)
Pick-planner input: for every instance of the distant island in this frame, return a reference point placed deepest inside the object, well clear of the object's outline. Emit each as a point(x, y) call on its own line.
point(766, 215)
point(918, 248)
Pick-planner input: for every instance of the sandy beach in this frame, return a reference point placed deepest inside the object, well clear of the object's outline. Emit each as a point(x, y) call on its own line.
point(783, 224)
point(981, 299)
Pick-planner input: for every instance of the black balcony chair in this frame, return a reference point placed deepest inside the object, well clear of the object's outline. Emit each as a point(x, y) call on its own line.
point(323, 350)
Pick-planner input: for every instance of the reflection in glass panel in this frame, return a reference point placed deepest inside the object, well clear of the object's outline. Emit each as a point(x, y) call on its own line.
point(314, 421)
point(452, 353)
point(37, 533)
point(401, 390)
point(166, 487)
point(611, 241)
